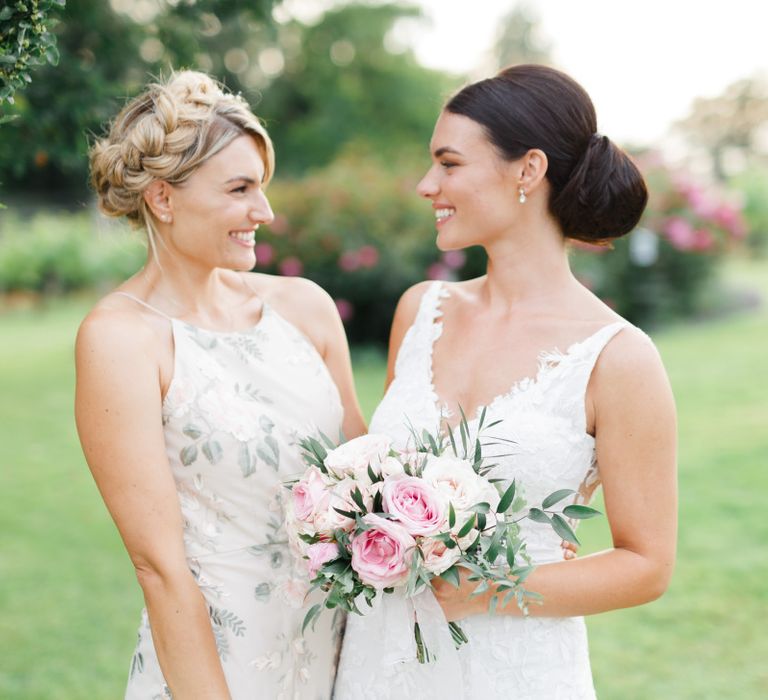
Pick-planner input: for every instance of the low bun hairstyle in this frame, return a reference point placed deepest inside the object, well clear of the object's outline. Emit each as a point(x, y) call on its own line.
point(596, 191)
point(166, 133)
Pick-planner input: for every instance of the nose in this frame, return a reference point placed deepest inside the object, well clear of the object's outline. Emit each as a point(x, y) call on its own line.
point(428, 186)
point(260, 212)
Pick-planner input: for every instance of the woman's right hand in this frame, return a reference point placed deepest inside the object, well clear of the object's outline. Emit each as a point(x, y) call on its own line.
point(570, 550)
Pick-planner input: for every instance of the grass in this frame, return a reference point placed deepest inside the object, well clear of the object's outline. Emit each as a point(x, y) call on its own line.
point(70, 603)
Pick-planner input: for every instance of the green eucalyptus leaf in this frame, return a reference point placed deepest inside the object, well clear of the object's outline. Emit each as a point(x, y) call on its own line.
point(481, 520)
point(562, 528)
point(556, 497)
point(507, 498)
point(580, 512)
point(311, 616)
point(467, 526)
point(539, 516)
point(481, 507)
point(357, 497)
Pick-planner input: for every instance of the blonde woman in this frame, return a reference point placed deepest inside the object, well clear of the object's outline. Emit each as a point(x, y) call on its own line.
point(194, 379)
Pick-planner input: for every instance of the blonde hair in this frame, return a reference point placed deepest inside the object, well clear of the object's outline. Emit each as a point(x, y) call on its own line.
point(166, 133)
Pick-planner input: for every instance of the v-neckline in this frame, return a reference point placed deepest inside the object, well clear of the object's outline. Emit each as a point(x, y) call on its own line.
point(547, 360)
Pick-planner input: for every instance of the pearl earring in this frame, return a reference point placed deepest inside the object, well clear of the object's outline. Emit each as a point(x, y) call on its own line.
point(522, 196)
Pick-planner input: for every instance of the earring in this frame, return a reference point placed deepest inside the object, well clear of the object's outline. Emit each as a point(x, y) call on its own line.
point(522, 196)
point(165, 218)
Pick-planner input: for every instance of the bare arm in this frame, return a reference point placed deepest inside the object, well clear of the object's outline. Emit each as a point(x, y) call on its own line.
point(118, 412)
point(636, 450)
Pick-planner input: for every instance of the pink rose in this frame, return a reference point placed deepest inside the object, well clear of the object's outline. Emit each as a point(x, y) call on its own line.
point(319, 554)
point(418, 507)
point(437, 557)
point(380, 555)
point(307, 494)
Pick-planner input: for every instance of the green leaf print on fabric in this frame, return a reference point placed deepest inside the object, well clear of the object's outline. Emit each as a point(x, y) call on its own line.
point(247, 346)
point(207, 342)
point(255, 394)
point(245, 460)
point(220, 621)
point(212, 451)
point(266, 424)
point(137, 664)
point(188, 455)
point(192, 431)
point(263, 592)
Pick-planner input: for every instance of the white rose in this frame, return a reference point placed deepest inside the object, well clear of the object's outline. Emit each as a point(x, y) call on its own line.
point(459, 483)
point(437, 557)
point(353, 458)
point(327, 518)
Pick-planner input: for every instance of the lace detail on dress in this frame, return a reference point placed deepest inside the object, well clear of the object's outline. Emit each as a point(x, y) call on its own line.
point(544, 419)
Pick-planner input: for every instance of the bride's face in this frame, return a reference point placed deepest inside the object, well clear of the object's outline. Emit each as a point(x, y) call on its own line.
point(473, 191)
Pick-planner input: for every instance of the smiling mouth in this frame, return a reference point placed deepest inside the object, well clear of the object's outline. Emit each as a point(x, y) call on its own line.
point(444, 214)
point(244, 237)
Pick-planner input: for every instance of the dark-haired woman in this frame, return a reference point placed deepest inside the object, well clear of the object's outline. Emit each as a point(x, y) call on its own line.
point(519, 168)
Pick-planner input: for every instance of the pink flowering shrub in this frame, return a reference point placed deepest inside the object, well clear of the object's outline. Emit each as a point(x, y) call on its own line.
point(361, 232)
point(664, 269)
point(359, 229)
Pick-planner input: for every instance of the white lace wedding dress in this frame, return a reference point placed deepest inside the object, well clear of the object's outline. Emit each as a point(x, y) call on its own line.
point(535, 658)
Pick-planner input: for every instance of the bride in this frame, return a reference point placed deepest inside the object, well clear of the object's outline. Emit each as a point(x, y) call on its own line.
point(519, 168)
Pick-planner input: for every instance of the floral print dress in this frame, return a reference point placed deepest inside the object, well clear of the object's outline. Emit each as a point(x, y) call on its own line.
point(235, 409)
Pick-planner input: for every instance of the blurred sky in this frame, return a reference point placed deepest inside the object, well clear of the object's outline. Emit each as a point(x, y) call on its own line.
point(643, 63)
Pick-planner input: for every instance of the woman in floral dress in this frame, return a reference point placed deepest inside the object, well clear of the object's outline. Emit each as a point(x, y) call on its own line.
point(194, 381)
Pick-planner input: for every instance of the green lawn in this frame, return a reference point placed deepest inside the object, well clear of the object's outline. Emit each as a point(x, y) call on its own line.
point(70, 603)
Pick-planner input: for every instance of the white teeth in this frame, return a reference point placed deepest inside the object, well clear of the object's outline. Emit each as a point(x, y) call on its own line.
point(443, 213)
point(246, 236)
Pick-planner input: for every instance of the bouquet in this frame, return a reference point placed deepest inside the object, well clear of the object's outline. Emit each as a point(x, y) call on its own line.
point(369, 519)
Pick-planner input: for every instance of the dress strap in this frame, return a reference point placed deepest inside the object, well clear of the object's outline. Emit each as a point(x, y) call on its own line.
point(414, 359)
point(144, 303)
point(576, 374)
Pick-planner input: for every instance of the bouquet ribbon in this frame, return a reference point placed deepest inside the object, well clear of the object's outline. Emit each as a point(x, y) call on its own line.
point(395, 615)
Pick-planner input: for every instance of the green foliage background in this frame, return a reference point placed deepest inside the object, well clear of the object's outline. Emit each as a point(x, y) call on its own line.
point(71, 603)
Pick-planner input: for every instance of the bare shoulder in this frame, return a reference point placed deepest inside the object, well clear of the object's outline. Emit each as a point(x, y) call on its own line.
point(116, 329)
point(409, 303)
point(292, 295)
point(630, 364)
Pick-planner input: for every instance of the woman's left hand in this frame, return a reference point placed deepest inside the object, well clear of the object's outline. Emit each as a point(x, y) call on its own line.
point(458, 603)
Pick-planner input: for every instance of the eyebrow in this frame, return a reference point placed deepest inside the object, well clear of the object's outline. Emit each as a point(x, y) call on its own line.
point(446, 149)
point(244, 178)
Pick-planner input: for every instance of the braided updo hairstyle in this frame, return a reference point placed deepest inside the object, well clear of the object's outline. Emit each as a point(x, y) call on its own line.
point(166, 133)
point(596, 191)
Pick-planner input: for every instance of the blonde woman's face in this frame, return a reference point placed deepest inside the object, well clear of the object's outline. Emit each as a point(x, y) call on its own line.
point(217, 211)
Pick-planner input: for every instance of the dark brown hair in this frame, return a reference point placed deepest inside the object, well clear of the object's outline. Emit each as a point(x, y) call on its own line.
point(597, 192)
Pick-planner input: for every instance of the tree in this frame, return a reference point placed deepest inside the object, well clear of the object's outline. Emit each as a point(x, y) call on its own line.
point(518, 40)
point(106, 56)
point(731, 123)
point(341, 85)
point(26, 41)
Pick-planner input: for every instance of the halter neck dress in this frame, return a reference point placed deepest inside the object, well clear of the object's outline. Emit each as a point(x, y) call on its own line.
point(237, 404)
